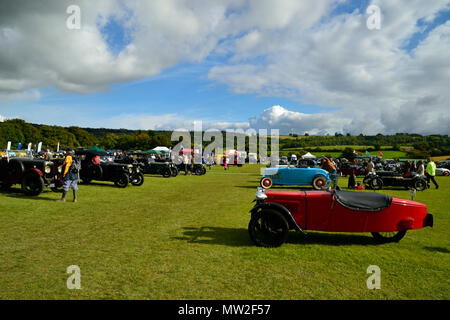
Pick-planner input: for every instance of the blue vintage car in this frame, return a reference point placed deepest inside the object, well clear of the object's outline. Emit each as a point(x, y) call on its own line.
point(316, 177)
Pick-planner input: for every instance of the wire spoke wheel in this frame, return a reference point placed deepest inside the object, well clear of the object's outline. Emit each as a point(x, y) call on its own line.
point(386, 237)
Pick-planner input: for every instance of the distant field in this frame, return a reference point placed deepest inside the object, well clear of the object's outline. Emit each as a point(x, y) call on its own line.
point(441, 158)
point(387, 154)
point(186, 238)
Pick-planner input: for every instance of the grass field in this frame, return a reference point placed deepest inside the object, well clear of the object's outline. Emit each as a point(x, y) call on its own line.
point(186, 238)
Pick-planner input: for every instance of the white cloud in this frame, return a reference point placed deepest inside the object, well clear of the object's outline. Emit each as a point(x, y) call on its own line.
point(287, 48)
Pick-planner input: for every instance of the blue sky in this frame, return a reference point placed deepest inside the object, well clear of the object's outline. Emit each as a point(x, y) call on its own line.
point(227, 84)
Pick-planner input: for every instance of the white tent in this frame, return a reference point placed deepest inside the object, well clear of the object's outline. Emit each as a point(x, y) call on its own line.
point(309, 156)
point(165, 149)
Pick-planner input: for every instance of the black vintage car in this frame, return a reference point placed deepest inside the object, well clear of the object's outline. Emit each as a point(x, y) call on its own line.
point(120, 174)
point(150, 166)
point(199, 169)
point(32, 174)
point(380, 179)
point(137, 177)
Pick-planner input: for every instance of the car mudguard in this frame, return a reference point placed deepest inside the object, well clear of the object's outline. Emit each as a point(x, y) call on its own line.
point(282, 209)
point(35, 170)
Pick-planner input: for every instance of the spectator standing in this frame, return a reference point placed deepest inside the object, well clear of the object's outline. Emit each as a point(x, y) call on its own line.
point(70, 176)
point(431, 173)
point(420, 168)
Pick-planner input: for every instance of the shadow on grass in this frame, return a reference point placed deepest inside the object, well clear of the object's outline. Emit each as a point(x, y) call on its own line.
point(13, 194)
point(437, 249)
point(331, 239)
point(239, 237)
point(234, 237)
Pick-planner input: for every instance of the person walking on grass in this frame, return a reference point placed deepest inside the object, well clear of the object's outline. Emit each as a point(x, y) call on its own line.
point(71, 169)
point(431, 173)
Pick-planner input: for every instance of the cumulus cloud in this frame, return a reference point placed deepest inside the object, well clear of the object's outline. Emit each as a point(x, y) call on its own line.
point(377, 85)
point(288, 48)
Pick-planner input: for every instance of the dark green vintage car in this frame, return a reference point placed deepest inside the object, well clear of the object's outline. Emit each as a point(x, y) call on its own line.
point(150, 166)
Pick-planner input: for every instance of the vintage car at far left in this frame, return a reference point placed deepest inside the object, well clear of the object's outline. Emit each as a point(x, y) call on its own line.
point(32, 174)
point(386, 218)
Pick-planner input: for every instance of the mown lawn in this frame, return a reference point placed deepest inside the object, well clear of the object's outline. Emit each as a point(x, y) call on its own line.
point(186, 238)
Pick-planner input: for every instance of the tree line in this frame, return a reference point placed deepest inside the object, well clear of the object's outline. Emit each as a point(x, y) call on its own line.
point(17, 130)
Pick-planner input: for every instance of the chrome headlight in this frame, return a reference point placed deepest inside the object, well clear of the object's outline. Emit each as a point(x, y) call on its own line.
point(261, 194)
point(59, 169)
point(137, 169)
point(47, 169)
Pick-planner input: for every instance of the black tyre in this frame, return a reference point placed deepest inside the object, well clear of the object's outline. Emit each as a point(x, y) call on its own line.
point(268, 228)
point(420, 184)
point(376, 183)
point(174, 171)
point(32, 184)
point(5, 186)
point(200, 170)
point(319, 183)
point(122, 181)
point(166, 172)
point(386, 237)
point(138, 179)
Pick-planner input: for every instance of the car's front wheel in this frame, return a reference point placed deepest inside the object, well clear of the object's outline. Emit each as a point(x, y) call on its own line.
point(268, 228)
point(32, 184)
point(166, 172)
point(122, 181)
point(266, 183)
point(386, 237)
point(376, 183)
point(138, 179)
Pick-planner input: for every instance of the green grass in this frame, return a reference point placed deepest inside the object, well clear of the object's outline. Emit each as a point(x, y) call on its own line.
point(186, 238)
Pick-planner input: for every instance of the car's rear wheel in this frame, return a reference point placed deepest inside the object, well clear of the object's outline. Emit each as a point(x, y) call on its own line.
point(420, 184)
point(5, 186)
point(266, 182)
point(319, 183)
point(268, 228)
point(32, 184)
point(138, 179)
point(386, 237)
point(122, 181)
point(376, 183)
point(446, 173)
point(174, 171)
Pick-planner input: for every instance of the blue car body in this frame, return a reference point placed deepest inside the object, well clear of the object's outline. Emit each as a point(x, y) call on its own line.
point(295, 176)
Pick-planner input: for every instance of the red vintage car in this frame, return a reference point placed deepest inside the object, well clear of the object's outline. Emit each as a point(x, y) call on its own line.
point(387, 218)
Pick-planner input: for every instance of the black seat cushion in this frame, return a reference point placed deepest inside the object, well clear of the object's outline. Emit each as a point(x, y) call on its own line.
point(363, 201)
